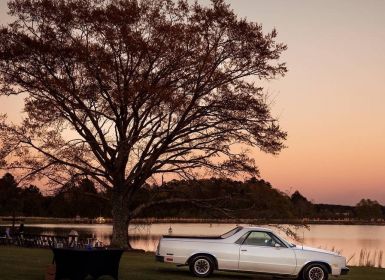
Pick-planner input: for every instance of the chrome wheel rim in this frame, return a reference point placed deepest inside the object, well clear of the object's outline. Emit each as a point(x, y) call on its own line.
point(201, 266)
point(316, 273)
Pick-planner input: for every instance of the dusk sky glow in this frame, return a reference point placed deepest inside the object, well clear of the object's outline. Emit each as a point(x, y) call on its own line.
point(331, 102)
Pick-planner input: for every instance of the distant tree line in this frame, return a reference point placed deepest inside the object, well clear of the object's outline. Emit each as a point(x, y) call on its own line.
point(206, 198)
point(74, 198)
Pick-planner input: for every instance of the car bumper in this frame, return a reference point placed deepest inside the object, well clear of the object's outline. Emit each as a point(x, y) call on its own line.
point(159, 258)
point(344, 271)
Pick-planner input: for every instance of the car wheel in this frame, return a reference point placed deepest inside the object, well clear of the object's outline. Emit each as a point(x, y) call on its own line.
point(315, 272)
point(201, 266)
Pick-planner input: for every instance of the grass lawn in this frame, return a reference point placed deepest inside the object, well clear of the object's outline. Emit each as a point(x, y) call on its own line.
point(30, 264)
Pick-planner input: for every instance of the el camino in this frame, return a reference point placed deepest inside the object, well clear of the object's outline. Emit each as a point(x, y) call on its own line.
point(250, 249)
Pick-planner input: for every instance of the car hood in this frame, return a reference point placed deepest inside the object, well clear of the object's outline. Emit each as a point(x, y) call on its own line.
point(307, 248)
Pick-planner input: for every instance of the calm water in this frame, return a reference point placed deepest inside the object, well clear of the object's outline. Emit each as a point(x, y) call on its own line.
point(347, 239)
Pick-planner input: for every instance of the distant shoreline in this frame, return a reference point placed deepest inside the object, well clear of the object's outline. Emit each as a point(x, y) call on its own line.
point(51, 220)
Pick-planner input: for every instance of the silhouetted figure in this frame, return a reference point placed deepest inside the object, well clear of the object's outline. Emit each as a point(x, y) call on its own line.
point(73, 238)
point(6, 238)
point(8, 233)
point(21, 230)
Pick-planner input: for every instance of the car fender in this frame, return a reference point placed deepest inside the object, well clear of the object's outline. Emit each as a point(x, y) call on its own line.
point(205, 253)
point(328, 266)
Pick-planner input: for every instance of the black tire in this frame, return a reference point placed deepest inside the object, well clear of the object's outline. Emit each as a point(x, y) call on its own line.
point(315, 271)
point(201, 266)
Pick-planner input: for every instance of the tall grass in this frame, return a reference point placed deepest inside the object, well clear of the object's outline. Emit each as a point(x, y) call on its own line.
point(366, 258)
point(348, 260)
point(370, 258)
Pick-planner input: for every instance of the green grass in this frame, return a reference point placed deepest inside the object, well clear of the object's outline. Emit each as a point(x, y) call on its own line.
point(30, 264)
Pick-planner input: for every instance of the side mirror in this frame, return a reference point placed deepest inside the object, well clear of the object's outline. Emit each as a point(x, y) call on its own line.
point(277, 245)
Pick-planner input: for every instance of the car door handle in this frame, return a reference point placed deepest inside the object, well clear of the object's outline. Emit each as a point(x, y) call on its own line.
point(244, 250)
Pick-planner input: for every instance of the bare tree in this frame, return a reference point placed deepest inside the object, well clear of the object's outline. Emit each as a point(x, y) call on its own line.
point(121, 91)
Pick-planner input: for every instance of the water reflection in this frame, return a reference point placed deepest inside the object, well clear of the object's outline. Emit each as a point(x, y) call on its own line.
point(347, 239)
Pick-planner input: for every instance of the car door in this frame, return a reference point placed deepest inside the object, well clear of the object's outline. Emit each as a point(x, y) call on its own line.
point(263, 252)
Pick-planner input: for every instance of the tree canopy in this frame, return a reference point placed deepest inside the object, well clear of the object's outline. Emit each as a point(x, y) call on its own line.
point(121, 91)
point(368, 209)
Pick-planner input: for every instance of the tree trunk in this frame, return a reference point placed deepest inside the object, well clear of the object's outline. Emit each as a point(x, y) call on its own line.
point(120, 224)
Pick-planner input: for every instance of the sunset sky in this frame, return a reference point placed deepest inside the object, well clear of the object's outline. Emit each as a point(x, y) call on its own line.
point(331, 102)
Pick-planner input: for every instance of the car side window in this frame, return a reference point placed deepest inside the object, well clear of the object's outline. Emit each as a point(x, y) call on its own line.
point(240, 240)
point(260, 238)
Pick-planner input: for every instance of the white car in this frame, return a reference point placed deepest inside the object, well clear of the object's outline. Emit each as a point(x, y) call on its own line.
point(250, 249)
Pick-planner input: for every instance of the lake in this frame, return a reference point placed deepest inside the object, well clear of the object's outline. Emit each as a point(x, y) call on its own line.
point(349, 240)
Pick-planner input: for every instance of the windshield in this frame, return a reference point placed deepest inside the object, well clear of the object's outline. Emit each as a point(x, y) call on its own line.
point(289, 244)
point(231, 232)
